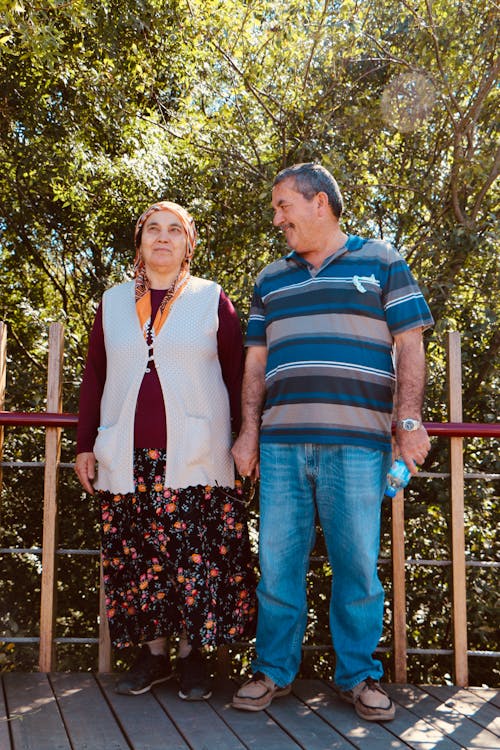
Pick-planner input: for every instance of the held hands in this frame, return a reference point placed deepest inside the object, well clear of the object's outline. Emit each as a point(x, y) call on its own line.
point(85, 470)
point(413, 447)
point(245, 452)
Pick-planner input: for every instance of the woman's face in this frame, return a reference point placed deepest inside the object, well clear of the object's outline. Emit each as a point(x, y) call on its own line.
point(163, 243)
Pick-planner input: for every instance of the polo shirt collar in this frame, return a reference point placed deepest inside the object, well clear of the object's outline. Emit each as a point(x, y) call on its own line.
point(353, 242)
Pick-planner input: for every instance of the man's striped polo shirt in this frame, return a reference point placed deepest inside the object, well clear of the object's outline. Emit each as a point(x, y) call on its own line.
point(329, 333)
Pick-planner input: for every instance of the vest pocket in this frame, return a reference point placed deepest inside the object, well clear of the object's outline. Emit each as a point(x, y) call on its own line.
point(107, 445)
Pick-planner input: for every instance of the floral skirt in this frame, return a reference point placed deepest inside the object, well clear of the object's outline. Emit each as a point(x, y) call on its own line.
point(176, 560)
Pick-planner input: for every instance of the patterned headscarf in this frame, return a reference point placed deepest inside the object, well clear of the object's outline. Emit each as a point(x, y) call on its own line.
point(142, 283)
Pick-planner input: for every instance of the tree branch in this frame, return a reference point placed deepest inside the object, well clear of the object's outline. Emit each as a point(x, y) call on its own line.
point(494, 172)
point(314, 44)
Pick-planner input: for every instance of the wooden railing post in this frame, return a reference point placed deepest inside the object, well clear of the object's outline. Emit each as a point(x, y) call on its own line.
point(457, 512)
point(399, 588)
point(52, 456)
point(3, 383)
point(104, 654)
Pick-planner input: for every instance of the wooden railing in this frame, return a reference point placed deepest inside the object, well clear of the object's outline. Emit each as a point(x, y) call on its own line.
point(54, 420)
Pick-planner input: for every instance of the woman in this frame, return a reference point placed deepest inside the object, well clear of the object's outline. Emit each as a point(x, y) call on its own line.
point(159, 399)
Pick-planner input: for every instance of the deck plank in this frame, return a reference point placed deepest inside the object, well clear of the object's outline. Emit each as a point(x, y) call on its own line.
point(198, 722)
point(491, 695)
point(412, 702)
point(81, 701)
point(34, 716)
point(4, 722)
point(256, 730)
point(468, 704)
point(142, 719)
point(435, 710)
point(306, 725)
point(364, 735)
point(414, 727)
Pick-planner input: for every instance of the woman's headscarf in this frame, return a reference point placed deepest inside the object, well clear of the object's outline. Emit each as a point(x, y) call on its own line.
point(142, 283)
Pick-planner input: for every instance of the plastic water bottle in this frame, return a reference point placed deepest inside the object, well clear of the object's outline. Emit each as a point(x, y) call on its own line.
point(398, 477)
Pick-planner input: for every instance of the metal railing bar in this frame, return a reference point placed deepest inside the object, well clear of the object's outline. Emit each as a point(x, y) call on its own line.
point(27, 639)
point(65, 419)
point(444, 563)
point(414, 651)
point(305, 647)
point(38, 551)
point(33, 465)
point(417, 562)
point(421, 474)
point(38, 419)
point(382, 561)
point(447, 475)
point(18, 639)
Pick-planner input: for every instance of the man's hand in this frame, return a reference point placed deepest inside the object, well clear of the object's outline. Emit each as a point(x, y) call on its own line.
point(85, 470)
point(246, 448)
point(413, 447)
point(246, 454)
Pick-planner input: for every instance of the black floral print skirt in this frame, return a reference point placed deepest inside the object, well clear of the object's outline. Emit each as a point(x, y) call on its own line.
point(176, 560)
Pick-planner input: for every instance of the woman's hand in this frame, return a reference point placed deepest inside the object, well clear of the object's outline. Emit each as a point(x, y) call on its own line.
point(85, 470)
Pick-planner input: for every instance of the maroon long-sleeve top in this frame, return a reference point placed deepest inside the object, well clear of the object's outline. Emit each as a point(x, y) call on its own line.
point(150, 417)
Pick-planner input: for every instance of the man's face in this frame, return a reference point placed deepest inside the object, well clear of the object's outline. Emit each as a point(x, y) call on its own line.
point(295, 216)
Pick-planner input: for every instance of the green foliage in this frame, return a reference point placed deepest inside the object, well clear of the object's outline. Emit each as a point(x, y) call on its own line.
point(107, 107)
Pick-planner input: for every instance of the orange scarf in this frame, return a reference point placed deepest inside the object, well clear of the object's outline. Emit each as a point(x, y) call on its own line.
point(143, 305)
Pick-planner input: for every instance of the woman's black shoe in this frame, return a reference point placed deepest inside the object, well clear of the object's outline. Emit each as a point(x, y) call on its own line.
point(193, 677)
point(146, 671)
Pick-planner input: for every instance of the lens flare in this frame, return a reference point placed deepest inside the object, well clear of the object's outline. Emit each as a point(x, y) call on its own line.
point(407, 101)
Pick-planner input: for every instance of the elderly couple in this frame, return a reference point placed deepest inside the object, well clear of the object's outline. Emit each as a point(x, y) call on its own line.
point(335, 332)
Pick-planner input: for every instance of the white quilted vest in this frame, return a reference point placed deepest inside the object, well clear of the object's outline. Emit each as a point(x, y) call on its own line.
point(196, 398)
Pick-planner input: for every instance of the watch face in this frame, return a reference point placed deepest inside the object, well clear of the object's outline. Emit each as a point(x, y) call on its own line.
point(410, 424)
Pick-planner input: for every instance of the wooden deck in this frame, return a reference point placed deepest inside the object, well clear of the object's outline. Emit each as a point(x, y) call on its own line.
point(62, 711)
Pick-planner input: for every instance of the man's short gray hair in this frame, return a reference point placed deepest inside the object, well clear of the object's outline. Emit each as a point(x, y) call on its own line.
point(310, 179)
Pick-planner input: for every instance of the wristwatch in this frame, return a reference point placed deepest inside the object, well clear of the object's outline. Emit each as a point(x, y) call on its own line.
point(409, 424)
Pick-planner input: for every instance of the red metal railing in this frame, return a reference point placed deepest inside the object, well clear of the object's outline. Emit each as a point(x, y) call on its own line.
point(66, 419)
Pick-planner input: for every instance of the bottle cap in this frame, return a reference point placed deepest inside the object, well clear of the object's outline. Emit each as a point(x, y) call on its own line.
point(391, 491)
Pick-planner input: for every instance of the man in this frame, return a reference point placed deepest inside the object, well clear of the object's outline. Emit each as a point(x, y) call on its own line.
point(326, 323)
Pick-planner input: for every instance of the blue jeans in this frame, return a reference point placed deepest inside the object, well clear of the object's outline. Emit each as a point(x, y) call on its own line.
point(344, 485)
